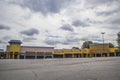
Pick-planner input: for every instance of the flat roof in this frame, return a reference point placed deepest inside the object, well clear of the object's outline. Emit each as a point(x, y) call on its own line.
point(36, 47)
point(15, 41)
point(106, 44)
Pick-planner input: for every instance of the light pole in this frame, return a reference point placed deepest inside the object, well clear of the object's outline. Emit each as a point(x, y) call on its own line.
point(103, 40)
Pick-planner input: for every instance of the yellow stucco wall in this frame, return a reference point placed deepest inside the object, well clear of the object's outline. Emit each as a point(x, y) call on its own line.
point(73, 52)
point(112, 50)
point(14, 48)
point(58, 53)
point(98, 47)
point(87, 51)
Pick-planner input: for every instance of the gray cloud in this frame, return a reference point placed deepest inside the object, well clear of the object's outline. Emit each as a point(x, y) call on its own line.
point(78, 23)
point(67, 27)
point(44, 6)
point(67, 43)
point(115, 27)
point(71, 39)
point(3, 27)
point(94, 21)
point(30, 32)
point(84, 39)
point(2, 42)
point(8, 37)
point(111, 12)
point(29, 39)
point(116, 21)
point(56, 41)
point(52, 41)
point(99, 2)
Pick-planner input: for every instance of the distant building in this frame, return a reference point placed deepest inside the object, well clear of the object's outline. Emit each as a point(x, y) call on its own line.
point(95, 50)
point(16, 51)
point(102, 50)
point(13, 50)
point(36, 52)
point(67, 53)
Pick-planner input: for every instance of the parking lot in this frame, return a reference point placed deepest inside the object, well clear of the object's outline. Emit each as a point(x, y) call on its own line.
point(104, 68)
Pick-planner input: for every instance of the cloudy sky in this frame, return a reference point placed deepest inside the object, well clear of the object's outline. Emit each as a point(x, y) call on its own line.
point(58, 23)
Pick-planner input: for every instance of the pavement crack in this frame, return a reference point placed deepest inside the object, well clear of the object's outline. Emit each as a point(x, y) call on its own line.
point(35, 75)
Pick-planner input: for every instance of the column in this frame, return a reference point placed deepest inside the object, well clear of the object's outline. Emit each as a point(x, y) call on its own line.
point(13, 55)
point(90, 55)
point(101, 54)
point(86, 55)
point(108, 54)
point(35, 55)
point(63, 55)
point(18, 56)
point(114, 53)
point(82, 55)
point(24, 56)
point(52, 55)
point(44, 55)
point(72, 55)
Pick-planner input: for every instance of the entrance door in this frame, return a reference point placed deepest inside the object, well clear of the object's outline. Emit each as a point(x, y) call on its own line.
point(15, 56)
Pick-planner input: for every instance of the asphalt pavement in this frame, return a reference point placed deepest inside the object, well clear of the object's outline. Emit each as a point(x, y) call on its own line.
point(104, 68)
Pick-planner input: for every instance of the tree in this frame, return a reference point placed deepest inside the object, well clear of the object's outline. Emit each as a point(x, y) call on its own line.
point(118, 40)
point(111, 45)
point(86, 44)
point(75, 47)
point(2, 54)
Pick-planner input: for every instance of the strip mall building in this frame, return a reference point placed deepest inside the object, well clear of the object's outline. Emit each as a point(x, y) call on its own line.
point(16, 51)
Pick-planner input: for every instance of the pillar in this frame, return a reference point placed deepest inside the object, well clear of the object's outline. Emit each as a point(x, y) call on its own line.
point(90, 55)
point(18, 56)
point(35, 55)
point(78, 55)
point(72, 55)
point(114, 53)
point(24, 56)
point(44, 55)
point(81, 55)
point(52, 56)
point(86, 55)
point(13, 56)
point(108, 54)
point(63, 55)
point(101, 54)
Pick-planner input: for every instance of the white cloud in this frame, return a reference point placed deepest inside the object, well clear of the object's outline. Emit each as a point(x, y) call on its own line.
point(101, 17)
